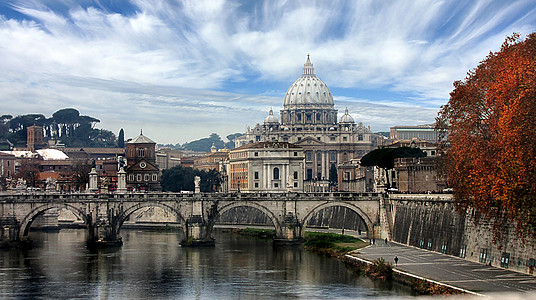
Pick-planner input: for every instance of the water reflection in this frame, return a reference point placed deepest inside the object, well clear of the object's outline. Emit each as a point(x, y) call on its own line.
point(153, 265)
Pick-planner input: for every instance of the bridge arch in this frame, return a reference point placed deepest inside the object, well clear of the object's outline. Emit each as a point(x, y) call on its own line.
point(255, 205)
point(354, 208)
point(132, 209)
point(27, 221)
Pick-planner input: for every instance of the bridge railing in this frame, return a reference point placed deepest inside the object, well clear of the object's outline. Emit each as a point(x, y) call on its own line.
point(168, 196)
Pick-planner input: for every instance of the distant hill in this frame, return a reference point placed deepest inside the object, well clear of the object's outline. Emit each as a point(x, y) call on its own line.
point(65, 126)
point(204, 144)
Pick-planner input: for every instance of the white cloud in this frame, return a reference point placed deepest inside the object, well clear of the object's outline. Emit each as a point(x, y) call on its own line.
point(158, 65)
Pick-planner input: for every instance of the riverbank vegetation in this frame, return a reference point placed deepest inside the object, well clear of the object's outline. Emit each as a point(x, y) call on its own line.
point(255, 232)
point(332, 244)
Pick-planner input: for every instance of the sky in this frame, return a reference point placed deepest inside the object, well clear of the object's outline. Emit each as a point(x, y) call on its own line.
point(181, 70)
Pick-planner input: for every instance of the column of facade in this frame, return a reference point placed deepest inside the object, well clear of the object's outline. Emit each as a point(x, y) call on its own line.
point(265, 176)
point(285, 178)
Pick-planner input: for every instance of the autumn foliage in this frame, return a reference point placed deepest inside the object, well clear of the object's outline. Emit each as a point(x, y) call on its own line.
point(489, 136)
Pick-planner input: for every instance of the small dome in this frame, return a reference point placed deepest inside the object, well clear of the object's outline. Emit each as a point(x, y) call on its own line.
point(308, 90)
point(271, 119)
point(346, 118)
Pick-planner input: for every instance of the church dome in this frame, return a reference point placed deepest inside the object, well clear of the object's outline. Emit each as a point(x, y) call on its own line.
point(308, 90)
point(346, 118)
point(271, 119)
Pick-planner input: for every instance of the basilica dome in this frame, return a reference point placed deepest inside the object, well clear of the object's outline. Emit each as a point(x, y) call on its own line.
point(271, 119)
point(308, 90)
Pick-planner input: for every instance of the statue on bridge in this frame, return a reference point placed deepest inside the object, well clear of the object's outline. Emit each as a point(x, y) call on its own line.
point(197, 183)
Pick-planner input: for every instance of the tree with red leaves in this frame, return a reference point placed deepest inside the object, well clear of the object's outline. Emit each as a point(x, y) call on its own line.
point(489, 136)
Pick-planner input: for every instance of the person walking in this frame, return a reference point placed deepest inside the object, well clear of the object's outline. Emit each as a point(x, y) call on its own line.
point(386, 241)
point(396, 260)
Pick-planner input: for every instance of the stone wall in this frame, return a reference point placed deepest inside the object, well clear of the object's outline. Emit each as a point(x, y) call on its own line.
point(432, 225)
point(431, 222)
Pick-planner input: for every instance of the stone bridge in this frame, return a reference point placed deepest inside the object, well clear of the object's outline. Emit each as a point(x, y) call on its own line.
point(104, 214)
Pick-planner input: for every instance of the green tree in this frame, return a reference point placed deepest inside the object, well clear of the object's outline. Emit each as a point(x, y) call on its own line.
point(180, 178)
point(333, 178)
point(121, 139)
point(231, 137)
point(385, 157)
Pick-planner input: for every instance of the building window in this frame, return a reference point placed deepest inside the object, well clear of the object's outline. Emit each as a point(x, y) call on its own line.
point(309, 156)
point(131, 177)
point(256, 154)
point(276, 184)
point(309, 174)
point(333, 156)
point(256, 184)
point(155, 177)
point(505, 259)
point(308, 117)
point(141, 152)
point(318, 138)
point(146, 177)
point(276, 173)
point(319, 157)
point(295, 184)
point(295, 175)
point(299, 139)
point(344, 139)
point(463, 251)
point(256, 175)
point(295, 153)
point(483, 255)
point(138, 177)
point(360, 137)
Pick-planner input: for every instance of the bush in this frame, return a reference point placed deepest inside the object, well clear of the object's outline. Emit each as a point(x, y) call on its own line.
point(380, 269)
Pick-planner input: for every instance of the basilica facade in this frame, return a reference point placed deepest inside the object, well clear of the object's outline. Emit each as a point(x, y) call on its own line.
point(309, 120)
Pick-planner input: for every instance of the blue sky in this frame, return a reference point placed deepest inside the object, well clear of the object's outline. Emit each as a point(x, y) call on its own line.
point(184, 69)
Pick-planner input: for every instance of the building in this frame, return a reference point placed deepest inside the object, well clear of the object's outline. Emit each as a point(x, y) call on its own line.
point(309, 120)
point(351, 176)
point(167, 158)
point(7, 169)
point(265, 167)
point(419, 175)
point(212, 160)
point(34, 138)
point(86, 153)
point(142, 170)
point(421, 132)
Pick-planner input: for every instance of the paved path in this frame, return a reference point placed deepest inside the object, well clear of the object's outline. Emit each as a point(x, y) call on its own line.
point(450, 270)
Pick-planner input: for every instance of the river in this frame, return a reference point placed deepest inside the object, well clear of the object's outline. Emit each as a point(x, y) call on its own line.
point(151, 264)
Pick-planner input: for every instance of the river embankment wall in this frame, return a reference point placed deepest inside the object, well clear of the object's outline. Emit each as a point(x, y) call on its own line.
point(431, 222)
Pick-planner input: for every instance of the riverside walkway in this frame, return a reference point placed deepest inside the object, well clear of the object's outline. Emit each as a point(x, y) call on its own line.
point(450, 270)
